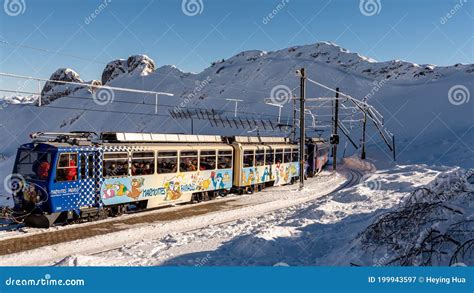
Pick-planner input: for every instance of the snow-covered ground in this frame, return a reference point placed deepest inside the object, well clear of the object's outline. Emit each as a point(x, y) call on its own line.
point(317, 232)
point(291, 229)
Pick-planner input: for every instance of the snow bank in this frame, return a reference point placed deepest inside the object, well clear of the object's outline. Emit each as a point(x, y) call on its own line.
point(433, 226)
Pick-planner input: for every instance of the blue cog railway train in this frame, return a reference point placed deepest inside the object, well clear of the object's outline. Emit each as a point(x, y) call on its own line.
point(72, 177)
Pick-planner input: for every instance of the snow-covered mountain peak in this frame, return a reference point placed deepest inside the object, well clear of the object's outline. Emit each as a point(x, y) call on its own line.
point(66, 74)
point(53, 90)
point(135, 64)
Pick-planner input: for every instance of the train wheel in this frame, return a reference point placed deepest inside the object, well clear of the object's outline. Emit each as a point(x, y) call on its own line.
point(102, 214)
point(197, 197)
point(223, 192)
point(117, 210)
point(206, 196)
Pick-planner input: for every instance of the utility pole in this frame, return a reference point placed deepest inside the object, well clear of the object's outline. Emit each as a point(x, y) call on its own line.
point(39, 91)
point(364, 122)
point(335, 137)
point(294, 118)
point(393, 148)
point(302, 75)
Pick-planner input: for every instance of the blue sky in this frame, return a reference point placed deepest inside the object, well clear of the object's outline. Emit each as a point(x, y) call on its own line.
point(411, 30)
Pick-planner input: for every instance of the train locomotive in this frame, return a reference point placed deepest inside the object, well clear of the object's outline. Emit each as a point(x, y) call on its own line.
point(80, 176)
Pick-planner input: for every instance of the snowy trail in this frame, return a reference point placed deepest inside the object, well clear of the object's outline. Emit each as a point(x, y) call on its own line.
point(246, 206)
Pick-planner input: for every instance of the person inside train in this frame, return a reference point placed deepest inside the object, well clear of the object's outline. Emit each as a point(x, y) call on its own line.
point(71, 171)
point(111, 170)
point(188, 165)
point(147, 169)
point(43, 170)
point(134, 169)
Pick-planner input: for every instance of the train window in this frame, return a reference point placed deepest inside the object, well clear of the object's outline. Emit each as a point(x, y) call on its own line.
point(115, 164)
point(67, 167)
point(278, 156)
point(167, 162)
point(188, 161)
point(260, 158)
point(33, 164)
point(270, 157)
point(143, 163)
point(224, 160)
point(295, 155)
point(83, 166)
point(91, 166)
point(287, 156)
point(249, 158)
point(207, 160)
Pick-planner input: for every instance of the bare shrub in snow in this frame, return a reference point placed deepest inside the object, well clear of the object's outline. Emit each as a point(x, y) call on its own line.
point(434, 225)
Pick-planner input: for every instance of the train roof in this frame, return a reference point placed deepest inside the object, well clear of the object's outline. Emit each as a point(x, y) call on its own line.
point(112, 137)
point(82, 138)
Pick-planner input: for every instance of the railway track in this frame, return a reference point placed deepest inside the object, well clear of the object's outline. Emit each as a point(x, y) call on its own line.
point(81, 231)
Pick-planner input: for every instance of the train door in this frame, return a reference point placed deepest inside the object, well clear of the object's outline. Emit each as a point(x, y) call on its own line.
point(88, 178)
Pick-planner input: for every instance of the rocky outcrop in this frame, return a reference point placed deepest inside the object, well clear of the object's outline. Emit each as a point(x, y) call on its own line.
point(55, 90)
point(140, 64)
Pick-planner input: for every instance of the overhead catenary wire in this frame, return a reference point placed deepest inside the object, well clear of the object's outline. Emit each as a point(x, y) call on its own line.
point(354, 100)
point(145, 104)
point(50, 51)
point(106, 87)
point(87, 85)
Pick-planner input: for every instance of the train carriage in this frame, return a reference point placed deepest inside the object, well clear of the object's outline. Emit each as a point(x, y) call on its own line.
point(316, 156)
point(262, 161)
point(166, 169)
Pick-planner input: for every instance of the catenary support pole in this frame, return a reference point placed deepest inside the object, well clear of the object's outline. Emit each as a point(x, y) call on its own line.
point(364, 123)
point(336, 119)
point(302, 126)
point(294, 118)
